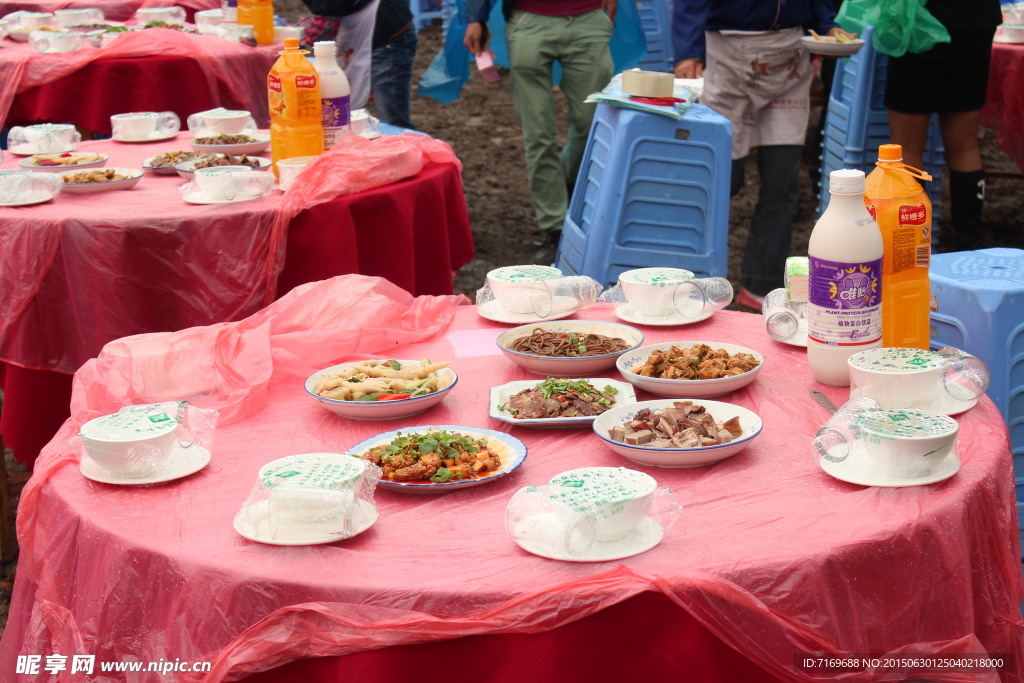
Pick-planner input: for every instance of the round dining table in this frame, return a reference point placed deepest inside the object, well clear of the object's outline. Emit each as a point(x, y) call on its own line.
point(770, 569)
point(113, 10)
point(155, 69)
point(1004, 101)
point(84, 269)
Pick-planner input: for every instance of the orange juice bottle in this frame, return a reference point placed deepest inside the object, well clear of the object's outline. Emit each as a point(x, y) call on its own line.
point(903, 212)
point(260, 15)
point(293, 90)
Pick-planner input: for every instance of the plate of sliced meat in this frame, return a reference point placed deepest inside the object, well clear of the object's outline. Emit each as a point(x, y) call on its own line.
point(558, 401)
point(678, 433)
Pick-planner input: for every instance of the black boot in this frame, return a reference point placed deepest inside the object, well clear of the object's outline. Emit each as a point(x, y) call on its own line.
point(966, 197)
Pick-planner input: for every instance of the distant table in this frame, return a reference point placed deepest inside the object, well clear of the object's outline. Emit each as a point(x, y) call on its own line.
point(122, 80)
point(114, 10)
point(1004, 108)
point(127, 262)
point(771, 562)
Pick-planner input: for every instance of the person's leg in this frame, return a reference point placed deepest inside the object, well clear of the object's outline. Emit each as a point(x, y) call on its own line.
point(966, 179)
point(737, 176)
point(391, 78)
point(586, 68)
point(911, 132)
point(771, 229)
point(530, 40)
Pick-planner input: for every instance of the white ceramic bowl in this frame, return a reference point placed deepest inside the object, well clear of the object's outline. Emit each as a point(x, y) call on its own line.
point(187, 169)
point(577, 366)
point(382, 410)
point(679, 457)
point(685, 388)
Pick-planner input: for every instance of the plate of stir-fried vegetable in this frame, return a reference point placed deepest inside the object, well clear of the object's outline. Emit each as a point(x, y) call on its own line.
point(558, 401)
point(438, 458)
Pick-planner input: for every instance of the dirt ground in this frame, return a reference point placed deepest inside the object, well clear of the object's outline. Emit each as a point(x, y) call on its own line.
point(483, 130)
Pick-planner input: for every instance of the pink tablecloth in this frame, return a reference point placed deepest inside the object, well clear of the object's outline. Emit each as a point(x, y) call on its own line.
point(1004, 107)
point(82, 270)
point(770, 554)
point(114, 10)
point(136, 72)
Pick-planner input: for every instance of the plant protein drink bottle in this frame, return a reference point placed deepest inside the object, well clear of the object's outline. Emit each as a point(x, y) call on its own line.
point(293, 90)
point(334, 92)
point(903, 212)
point(844, 281)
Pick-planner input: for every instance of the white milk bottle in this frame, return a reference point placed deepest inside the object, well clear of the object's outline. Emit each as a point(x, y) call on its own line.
point(844, 312)
point(334, 92)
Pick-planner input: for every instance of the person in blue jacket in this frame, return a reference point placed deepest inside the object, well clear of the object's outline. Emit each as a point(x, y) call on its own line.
point(757, 74)
point(574, 33)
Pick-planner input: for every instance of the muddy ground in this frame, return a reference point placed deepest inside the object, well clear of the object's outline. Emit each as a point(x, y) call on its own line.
point(483, 130)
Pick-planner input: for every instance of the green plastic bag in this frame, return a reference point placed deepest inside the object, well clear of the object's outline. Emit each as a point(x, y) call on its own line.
point(901, 26)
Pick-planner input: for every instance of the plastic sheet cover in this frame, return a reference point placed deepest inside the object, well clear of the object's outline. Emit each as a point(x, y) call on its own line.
point(249, 86)
point(771, 554)
point(229, 274)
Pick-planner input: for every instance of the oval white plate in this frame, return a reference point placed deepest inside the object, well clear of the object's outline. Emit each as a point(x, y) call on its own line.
point(26, 163)
point(180, 463)
point(645, 536)
point(134, 176)
point(631, 314)
point(685, 388)
point(860, 469)
point(680, 457)
point(503, 392)
point(253, 523)
point(511, 459)
point(187, 169)
point(255, 147)
point(381, 410)
point(152, 137)
point(553, 366)
point(829, 48)
point(561, 307)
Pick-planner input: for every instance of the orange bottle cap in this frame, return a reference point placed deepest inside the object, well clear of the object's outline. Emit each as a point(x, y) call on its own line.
point(291, 42)
point(890, 153)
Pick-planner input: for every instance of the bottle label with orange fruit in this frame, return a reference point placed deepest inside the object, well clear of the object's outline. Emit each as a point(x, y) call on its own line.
point(299, 102)
point(906, 231)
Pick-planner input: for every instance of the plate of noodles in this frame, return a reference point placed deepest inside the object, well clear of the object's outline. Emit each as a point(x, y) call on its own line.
point(568, 348)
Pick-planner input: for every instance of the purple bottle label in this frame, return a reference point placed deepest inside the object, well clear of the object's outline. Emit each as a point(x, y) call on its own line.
point(335, 118)
point(845, 302)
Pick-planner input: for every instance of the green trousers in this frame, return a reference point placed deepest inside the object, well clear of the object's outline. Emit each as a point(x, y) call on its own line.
point(579, 44)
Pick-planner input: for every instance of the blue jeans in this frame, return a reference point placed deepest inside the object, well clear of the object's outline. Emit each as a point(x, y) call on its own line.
point(391, 78)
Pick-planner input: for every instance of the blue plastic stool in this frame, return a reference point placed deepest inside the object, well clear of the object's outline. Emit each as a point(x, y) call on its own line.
point(657, 26)
point(425, 11)
point(652, 191)
point(980, 297)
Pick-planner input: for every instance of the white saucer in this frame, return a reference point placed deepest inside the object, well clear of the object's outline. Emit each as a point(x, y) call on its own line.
point(198, 198)
point(34, 198)
point(947, 405)
point(630, 314)
point(646, 535)
point(181, 463)
point(252, 523)
point(561, 307)
point(26, 151)
point(152, 137)
point(860, 469)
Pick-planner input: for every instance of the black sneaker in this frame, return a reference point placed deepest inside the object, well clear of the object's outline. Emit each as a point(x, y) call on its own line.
point(545, 256)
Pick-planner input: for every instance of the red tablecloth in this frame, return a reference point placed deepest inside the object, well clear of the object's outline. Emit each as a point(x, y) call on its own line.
point(1004, 107)
point(151, 70)
point(85, 269)
point(114, 10)
point(769, 554)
